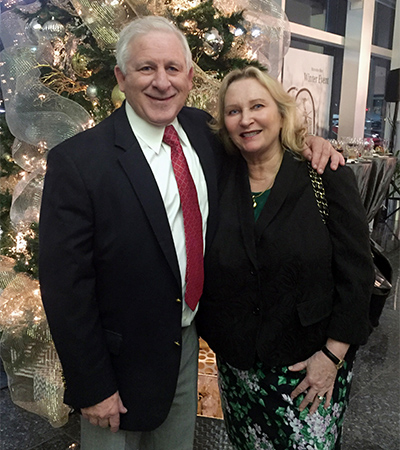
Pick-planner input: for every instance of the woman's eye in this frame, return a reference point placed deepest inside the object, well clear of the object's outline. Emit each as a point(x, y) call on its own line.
point(232, 112)
point(258, 106)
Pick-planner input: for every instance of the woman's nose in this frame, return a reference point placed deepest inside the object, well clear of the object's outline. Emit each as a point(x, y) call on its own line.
point(246, 118)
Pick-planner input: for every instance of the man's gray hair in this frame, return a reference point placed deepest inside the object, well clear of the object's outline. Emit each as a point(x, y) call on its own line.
point(143, 26)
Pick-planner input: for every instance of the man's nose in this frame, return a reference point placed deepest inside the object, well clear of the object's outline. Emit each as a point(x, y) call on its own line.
point(161, 80)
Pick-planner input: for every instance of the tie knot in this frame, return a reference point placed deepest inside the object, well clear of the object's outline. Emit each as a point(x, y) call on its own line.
point(171, 136)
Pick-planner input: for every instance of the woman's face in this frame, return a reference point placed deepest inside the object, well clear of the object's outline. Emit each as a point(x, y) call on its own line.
point(252, 117)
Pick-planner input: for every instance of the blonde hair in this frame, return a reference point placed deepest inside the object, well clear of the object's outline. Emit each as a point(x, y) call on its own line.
point(293, 131)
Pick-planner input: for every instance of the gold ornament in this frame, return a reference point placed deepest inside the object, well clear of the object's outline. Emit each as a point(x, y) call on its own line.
point(117, 97)
point(79, 63)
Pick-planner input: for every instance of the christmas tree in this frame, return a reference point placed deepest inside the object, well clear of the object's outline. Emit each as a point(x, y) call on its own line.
point(57, 79)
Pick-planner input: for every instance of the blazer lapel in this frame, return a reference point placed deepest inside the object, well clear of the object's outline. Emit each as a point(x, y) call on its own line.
point(141, 177)
point(242, 200)
point(283, 184)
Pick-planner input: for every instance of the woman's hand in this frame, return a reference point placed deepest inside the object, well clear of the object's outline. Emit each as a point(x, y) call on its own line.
point(318, 383)
point(320, 378)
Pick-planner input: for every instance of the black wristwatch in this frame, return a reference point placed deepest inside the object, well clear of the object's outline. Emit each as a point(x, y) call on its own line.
point(338, 362)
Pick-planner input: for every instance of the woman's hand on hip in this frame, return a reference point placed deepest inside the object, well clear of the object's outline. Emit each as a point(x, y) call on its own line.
point(318, 383)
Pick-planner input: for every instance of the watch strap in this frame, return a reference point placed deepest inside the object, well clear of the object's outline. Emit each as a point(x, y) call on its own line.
point(338, 362)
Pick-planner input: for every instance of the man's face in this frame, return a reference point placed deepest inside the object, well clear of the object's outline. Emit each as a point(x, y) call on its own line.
point(157, 81)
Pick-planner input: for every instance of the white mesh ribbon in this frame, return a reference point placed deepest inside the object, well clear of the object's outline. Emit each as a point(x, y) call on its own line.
point(12, 30)
point(27, 196)
point(26, 348)
point(38, 117)
point(34, 113)
point(104, 19)
point(29, 157)
point(266, 27)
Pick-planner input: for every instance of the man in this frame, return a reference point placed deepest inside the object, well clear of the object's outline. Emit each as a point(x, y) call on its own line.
point(117, 260)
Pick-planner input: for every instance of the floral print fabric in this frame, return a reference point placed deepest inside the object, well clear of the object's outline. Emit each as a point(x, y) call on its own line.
point(259, 413)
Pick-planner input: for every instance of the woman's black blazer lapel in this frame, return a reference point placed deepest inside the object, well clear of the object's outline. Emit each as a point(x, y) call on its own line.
point(252, 231)
point(242, 201)
point(284, 182)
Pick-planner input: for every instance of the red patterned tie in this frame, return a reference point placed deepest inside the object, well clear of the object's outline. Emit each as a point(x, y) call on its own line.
point(191, 219)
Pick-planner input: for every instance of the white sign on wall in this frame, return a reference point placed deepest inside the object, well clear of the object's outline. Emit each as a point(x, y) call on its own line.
point(308, 77)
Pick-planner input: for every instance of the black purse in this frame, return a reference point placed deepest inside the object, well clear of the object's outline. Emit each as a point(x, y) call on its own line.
point(383, 268)
point(382, 284)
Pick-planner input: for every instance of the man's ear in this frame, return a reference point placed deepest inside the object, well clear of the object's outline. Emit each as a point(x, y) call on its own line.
point(190, 76)
point(120, 78)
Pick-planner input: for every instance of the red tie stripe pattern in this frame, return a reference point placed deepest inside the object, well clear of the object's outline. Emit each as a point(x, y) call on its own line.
point(192, 220)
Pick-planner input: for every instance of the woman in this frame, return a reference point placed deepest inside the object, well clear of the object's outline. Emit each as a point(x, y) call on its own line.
point(286, 295)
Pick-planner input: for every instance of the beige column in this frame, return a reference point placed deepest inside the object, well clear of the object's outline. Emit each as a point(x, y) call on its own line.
point(356, 65)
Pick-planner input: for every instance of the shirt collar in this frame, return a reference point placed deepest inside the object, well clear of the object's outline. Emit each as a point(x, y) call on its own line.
point(148, 133)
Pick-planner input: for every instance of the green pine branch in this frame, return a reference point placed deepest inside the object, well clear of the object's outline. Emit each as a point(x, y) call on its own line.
point(207, 17)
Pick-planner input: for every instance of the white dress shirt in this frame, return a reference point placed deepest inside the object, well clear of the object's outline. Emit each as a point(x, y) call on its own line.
point(158, 156)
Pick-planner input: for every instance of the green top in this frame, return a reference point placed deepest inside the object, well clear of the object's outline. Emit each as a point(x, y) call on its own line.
point(260, 201)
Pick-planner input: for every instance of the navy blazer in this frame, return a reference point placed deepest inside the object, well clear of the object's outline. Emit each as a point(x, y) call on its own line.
point(276, 289)
point(109, 273)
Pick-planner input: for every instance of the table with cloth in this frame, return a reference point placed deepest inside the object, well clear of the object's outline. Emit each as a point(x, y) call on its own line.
point(373, 178)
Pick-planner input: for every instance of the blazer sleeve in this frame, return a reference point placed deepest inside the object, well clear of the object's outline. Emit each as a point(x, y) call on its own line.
point(352, 264)
point(67, 280)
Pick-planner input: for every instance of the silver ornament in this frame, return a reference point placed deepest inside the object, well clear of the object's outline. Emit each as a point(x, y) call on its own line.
point(33, 31)
point(236, 30)
point(255, 32)
point(91, 91)
point(213, 42)
point(53, 29)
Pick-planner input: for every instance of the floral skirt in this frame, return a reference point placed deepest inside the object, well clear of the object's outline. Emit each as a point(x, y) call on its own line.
point(259, 413)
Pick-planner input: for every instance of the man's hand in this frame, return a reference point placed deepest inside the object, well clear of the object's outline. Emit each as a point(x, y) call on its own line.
point(106, 413)
point(318, 151)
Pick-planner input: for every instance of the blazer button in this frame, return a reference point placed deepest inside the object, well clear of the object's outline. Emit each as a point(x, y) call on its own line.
point(252, 272)
point(177, 343)
point(256, 311)
point(178, 300)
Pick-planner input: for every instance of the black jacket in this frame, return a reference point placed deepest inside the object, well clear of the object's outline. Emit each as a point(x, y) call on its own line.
point(108, 268)
point(276, 289)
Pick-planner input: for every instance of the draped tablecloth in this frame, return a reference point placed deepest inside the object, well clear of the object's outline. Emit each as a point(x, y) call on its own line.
point(373, 180)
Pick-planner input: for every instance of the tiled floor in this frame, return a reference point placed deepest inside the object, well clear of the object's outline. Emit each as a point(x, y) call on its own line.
point(373, 418)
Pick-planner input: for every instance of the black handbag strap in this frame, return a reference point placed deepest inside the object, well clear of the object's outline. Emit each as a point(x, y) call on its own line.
point(319, 192)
